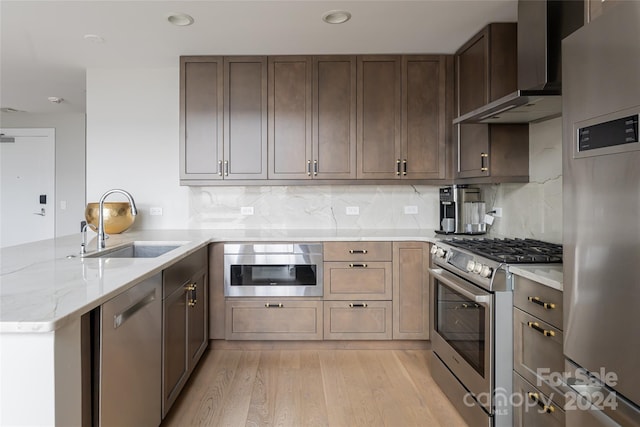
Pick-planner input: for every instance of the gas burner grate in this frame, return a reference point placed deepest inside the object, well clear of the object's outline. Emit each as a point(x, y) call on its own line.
point(512, 251)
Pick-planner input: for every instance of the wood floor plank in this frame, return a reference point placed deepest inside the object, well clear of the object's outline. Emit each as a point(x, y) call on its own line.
point(313, 387)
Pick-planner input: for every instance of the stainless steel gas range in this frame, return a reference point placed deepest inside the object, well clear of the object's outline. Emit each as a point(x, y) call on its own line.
point(472, 327)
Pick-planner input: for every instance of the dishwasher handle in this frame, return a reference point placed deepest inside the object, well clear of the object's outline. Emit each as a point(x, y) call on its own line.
point(120, 318)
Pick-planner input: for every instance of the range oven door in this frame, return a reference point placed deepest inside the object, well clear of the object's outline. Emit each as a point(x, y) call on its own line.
point(463, 332)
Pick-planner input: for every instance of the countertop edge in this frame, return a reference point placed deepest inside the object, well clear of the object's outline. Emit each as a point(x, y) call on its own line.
point(534, 273)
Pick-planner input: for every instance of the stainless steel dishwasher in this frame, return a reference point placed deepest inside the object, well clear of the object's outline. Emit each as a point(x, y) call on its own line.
point(130, 357)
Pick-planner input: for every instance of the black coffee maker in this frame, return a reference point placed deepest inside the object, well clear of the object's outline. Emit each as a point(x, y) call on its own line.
point(453, 202)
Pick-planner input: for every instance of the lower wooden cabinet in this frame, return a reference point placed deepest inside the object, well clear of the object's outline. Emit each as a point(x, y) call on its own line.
point(532, 408)
point(357, 320)
point(270, 319)
point(411, 290)
point(184, 323)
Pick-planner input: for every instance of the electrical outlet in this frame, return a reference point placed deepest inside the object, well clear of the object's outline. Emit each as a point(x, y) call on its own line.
point(246, 210)
point(498, 213)
point(353, 210)
point(410, 210)
point(155, 211)
point(63, 204)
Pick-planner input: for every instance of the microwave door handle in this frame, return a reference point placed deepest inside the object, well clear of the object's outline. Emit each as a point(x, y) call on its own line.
point(484, 299)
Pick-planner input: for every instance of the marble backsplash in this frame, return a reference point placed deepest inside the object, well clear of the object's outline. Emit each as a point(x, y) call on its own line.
point(529, 210)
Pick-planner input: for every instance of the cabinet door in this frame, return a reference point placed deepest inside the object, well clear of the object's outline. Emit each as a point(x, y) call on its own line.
point(334, 117)
point(473, 150)
point(175, 363)
point(201, 97)
point(423, 117)
point(379, 117)
point(245, 118)
point(472, 73)
point(290, 117)
point(197, 303)
point(410, 290)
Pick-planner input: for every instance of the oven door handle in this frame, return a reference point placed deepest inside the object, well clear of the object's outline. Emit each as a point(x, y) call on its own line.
point(481, 298)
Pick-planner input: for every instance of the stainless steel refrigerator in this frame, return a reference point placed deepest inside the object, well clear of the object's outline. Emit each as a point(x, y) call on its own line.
point(601, 173)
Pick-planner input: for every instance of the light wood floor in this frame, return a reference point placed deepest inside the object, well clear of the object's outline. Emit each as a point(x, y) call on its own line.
point(313, 388)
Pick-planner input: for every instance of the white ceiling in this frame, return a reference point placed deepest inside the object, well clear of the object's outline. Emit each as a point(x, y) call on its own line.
point(44, 53)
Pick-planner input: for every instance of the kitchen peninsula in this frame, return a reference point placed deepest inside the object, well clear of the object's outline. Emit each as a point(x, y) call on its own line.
point(46, 287)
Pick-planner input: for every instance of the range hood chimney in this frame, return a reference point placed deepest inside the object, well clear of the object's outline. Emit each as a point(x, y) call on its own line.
point(542, 24)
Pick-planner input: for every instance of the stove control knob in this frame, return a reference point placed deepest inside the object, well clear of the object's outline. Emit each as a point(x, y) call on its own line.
point(470, 266)
point(440, 253)
point(486, 271)
point(434, 249)
point(477, 268)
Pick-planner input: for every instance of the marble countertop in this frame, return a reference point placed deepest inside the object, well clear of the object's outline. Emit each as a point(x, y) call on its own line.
point(45, 284)
point(547, 274)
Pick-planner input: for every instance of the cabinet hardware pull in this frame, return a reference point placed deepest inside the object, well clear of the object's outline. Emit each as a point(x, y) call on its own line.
point(483, 156)
point(191, 287)
point(315, 167)
point(547, 305)
point(308, 167)
point(536, 398)
point(536, 326)
point(358, 251)
point(398, 167)
point(220, 167)
point(226, 168)
point(122, 317)
point(192, 302)
point(357, 265)
point(361, 304)
point(279, 305)
point(404, 167)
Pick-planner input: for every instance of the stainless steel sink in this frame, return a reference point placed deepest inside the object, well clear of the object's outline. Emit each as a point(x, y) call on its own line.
point(137, 250)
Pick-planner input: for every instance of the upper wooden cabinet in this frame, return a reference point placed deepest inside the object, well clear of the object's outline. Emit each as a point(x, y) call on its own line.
point(245, 118)
point(223, 118)
point(486, 70)
point(402, 117)
point(331, 118)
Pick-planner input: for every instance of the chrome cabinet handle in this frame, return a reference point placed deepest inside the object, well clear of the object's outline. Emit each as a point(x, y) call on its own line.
point(309, 167)
point(398, 167)
point(404, 167)
point(279, 305)
point(357, 265)
point(536, 326)
point(357, 251)
point(546, 305)
point(315, 167)
point(361, 305)
point(226, 168)
point(219, 167)
point(483, 157)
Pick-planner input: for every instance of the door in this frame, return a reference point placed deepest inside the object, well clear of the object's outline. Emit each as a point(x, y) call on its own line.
point(245, 117)
point(290, 117)
point(379, 117)
point(27, 192)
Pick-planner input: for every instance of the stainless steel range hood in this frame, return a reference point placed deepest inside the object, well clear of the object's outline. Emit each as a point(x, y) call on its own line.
point(542, 24)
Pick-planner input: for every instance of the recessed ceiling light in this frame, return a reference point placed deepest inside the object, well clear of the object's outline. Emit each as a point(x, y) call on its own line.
point(180, 19)
point(336, 16)
point(93, 38)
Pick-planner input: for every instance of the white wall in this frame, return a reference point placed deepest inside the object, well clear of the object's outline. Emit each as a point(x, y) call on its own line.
point(70, 162)
point(133, 143)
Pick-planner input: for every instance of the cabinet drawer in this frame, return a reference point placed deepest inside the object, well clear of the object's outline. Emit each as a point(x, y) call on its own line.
point(364, 280)
point(536, 409)
point(357, 251)
point(357, 320)
point(537, 349)
point(537, 299)
point(273, 320)
point(181, 272)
